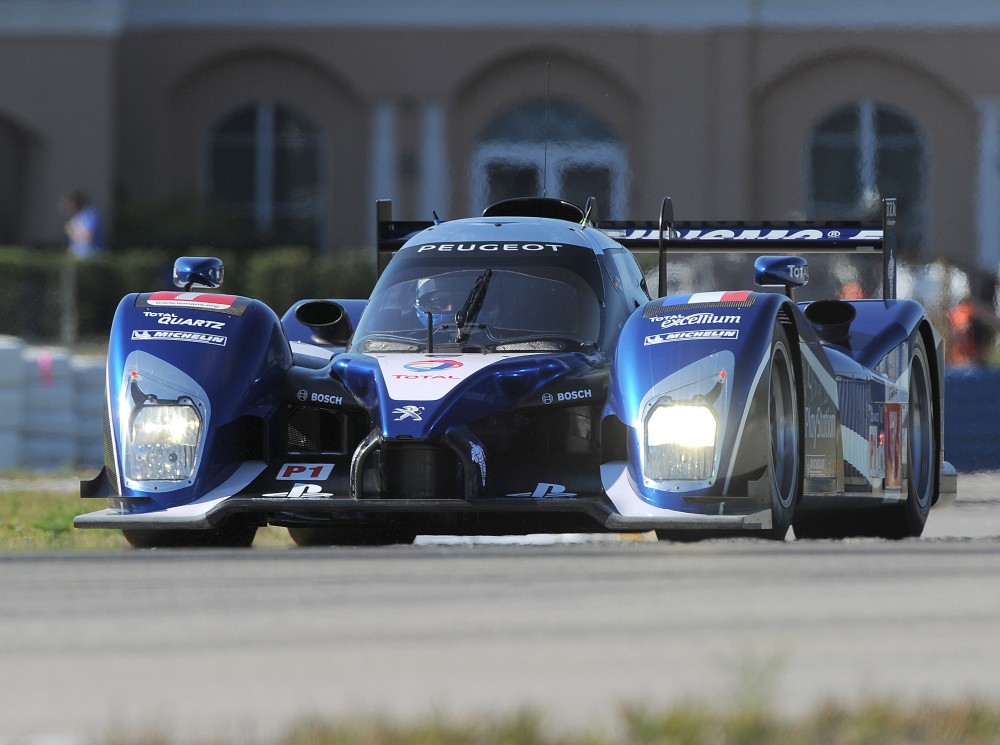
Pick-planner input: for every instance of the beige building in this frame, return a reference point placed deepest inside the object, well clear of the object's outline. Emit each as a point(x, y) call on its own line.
point(294, 116)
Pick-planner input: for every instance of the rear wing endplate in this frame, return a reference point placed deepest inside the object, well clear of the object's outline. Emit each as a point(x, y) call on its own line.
point(390, 235)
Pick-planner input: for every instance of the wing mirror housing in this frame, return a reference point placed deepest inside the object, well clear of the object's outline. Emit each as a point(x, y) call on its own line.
point(198, 271)
point(785, 271)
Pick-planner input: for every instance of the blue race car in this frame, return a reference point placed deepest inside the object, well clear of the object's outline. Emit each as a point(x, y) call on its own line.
point(511, 374)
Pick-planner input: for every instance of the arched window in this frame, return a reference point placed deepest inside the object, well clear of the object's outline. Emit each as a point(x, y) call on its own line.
point(861, 153)
point(553, 149)
point(264, 168)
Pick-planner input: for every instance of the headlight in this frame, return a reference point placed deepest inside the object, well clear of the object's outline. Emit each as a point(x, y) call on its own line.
point(680, 443)
point(163, 441)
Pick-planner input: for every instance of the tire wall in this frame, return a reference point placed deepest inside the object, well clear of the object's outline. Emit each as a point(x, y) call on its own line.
point(51, 407)
point(972, 419)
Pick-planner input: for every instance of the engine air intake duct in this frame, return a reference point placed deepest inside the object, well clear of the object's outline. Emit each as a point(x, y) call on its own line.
point(831, 319)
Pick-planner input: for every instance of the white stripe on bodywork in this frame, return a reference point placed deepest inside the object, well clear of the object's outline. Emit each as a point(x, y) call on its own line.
point(825, 379)
point(737, 441)
point(191, 512)
point(619, 488)
point(310, 350)
point(856, 450)
point(828, 382)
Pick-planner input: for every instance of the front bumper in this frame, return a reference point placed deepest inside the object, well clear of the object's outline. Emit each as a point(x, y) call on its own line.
point(539, 515)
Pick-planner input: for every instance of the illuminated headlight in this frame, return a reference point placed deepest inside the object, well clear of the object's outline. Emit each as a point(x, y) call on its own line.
point(680, 443)
point(163, 442)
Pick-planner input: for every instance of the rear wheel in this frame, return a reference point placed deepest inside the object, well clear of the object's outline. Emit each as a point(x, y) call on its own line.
point(228, 536)
point(904, 520)
point(922, 462)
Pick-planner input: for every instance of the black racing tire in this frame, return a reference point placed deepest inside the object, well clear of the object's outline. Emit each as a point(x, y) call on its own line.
point(907, 520)
point(349, 536)
point(904, 520)
point(784, 426)
point(227, 536)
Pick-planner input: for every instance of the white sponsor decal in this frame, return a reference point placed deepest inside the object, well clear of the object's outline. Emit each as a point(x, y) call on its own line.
point(693, 319)
point(545, 490)
point(816, 466)
point(163, 335)
point(490, 247)
point(203, 301)
point(570, 396)
point(305, 471)
point(820, 423)
point(302, 491)
point(798, 273)
point(749, 234)
point(408, 412)
point(172, 319)
point(693, 335)
point(323, 398)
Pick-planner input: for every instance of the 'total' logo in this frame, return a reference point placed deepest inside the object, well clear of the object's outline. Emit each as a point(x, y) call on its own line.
point(432, 365)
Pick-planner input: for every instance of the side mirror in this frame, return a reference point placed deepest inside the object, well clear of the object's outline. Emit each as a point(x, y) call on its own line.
point(786, 271)
point(198, 271)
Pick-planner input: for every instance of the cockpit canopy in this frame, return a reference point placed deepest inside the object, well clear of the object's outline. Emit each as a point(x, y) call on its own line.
point(484, 300)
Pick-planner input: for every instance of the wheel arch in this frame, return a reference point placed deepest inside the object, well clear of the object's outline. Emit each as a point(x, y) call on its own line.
point(789, 322)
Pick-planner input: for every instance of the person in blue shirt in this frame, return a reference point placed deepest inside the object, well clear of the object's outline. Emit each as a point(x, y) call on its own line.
point(84, 226)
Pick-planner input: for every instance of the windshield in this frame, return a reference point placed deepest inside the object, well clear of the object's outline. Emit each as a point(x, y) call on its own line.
point(483, 303)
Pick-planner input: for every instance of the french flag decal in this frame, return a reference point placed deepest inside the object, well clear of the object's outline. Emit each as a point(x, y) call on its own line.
point(738, 296)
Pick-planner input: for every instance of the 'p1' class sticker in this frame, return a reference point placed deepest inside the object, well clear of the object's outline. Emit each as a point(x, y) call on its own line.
point(305, 472)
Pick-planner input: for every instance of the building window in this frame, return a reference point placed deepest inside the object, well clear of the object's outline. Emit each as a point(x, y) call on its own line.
point(264, 169)
point(14, 149)
point(861, 153)
point(552, 149)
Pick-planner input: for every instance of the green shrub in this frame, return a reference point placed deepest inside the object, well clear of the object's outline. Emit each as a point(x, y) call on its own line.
point(281, 276)
point(37, 287)
point(30, 305)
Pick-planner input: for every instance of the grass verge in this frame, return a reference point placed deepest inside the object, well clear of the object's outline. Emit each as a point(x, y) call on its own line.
point(876, 722)
point(36, 514)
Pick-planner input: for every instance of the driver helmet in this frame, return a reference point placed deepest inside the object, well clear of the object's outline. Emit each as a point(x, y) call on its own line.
point(440, 297)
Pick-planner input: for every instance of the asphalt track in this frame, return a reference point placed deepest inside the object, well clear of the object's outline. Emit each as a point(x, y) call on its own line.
point(238, 644)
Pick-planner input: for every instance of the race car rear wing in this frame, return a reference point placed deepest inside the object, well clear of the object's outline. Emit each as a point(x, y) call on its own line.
point(792, 237)
point(664, 235)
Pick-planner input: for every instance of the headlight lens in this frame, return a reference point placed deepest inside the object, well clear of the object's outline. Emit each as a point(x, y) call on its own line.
point(163, 441)
point(680, 443)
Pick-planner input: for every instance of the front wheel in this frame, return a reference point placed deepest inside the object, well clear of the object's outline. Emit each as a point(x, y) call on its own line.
point(784, 435)
point(227, 536)
point(784, 454)
point(349, 536)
